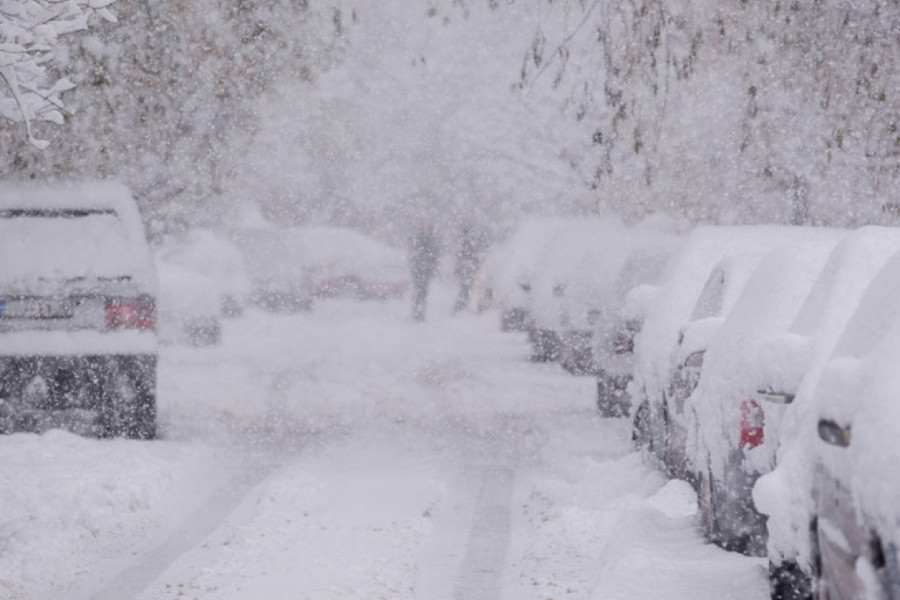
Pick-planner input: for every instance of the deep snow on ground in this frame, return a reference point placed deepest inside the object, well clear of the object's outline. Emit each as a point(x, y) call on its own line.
point(350, 452)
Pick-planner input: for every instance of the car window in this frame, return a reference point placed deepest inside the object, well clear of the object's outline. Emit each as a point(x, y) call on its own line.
point(709, 304)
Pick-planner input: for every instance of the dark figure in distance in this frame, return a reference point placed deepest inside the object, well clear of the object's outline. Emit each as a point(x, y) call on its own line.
point(423, 259)
point(468, 259)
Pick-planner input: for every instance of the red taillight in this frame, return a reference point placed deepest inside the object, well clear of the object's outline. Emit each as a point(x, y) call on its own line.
point(130, 313)
point(752, 424)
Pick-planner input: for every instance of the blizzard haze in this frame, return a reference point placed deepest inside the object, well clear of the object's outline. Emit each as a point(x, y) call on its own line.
point(587, 170)
point(420, 118)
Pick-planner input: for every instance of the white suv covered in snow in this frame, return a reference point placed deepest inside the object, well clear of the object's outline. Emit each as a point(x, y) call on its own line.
point(78, 290)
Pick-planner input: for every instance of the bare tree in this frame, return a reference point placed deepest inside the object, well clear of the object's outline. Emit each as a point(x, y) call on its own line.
point(29, 30)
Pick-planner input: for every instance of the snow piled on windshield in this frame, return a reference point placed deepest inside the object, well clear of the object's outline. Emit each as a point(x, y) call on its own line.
point(42, 248)
point(681, 284)
point(71, 232)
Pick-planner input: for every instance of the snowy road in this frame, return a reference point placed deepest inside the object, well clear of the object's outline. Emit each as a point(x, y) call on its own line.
point(350, 453)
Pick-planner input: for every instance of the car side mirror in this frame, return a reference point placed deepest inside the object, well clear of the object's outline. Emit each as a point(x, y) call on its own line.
point(775, 397)
point(832, 433)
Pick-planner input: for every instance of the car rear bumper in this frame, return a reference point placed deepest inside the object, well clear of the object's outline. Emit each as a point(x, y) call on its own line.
point(77, 343)
point(42, 392)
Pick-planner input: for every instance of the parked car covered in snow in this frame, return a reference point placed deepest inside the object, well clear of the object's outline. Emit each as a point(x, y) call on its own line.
point(657, 352)
point(578, 266)
point(750, 353)
point(190, 310)
point(784, 494)
point(511, 268)
point(202, 280)
point(844, 499)
point(217, 261)
point(613, 351)
point(274, 261)
point(346, 263)
point(856, 528)
point(78, 294)
point(717, 298)
point(624, 258)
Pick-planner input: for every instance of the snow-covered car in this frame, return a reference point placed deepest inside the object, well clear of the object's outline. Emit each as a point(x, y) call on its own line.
point(657, 353)
point(202, 280)
point(717, 298)
point(217, 261)
point(571, 281)
point(346, 263)
point(511, 267)
point(274, 261)
point(613, 351)
point(751, 352)
point(625, 258)
point(852, 454)
point(78, 347)
point(189, 309)
point(784, 493)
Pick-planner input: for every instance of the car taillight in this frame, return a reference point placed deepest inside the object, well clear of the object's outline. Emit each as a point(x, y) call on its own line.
point(130, 313)
point(752, 424)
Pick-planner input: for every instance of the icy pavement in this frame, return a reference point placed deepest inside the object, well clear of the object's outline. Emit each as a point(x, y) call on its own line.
point(351, 453)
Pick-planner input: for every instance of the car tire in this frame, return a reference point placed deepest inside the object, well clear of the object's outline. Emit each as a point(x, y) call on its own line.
point(788, 581)
point(817, 579)
point(129, 398)
point(545, 345)
point(641, 437)
point(604, 397)
point(612, 397)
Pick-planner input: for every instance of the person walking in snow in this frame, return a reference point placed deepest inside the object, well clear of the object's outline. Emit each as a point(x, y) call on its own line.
point(423, 259)
point(468, 259)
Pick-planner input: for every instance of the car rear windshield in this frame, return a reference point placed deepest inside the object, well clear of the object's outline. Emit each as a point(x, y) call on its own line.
point(38, 244)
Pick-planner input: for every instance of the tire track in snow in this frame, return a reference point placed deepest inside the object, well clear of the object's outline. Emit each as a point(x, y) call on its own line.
point(481, 574)
point(465, 556)
point(150, 565)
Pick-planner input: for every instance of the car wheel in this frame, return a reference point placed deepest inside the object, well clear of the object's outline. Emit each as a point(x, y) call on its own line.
point(640, 430)
point(544, 345)
point(788, 581)
point(129, 398)
point(819, 589)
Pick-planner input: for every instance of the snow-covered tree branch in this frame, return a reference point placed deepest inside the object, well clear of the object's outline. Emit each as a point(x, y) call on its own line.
point(29, 30)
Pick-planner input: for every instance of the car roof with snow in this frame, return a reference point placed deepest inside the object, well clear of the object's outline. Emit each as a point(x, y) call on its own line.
point(270, 254)
point(680, 286)
point(717, 298)
point(598, 269)
point(578, 264)
point(513, 262)
point(748, 340)
point(335, 251)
